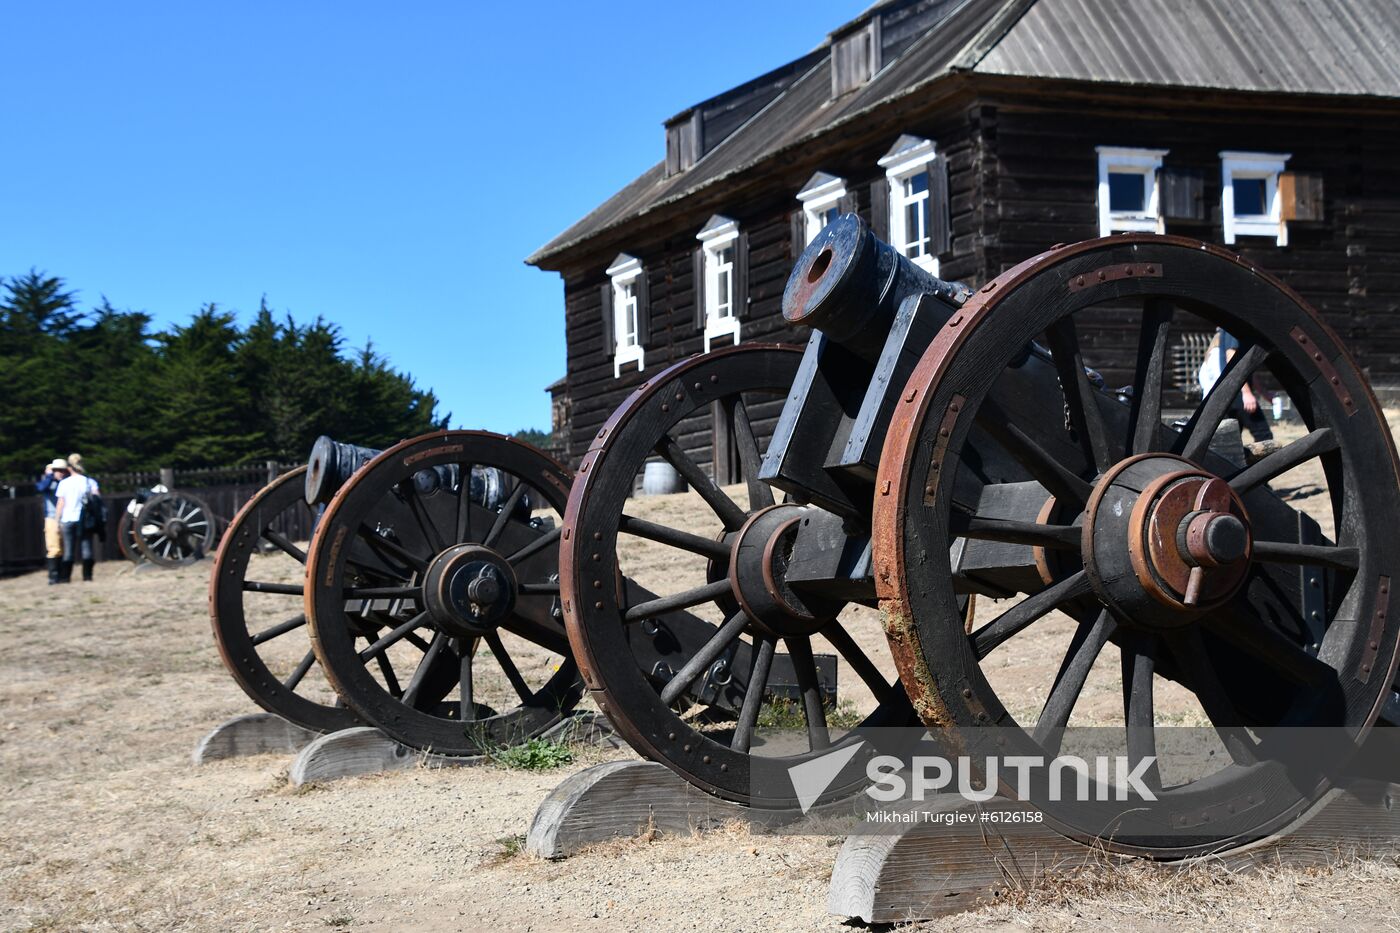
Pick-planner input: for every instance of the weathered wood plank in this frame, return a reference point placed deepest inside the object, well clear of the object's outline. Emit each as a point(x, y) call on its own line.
point(254, 734)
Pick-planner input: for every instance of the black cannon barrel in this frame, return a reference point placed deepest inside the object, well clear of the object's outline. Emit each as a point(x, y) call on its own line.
point(849, 284)
point(332, 463)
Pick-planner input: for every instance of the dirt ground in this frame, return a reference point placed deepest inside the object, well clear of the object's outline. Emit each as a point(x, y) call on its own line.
point(106, 825)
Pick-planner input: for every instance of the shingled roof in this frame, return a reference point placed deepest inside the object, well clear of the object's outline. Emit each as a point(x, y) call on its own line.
point(1313, 47)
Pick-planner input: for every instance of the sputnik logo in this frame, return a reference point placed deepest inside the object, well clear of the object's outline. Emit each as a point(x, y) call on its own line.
point(811, 778)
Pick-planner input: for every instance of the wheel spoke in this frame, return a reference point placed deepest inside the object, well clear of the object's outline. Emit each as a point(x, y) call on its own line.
point(282, 544)
point(535, 546)
point(753, 696)
point(1238, 624)
point(382, 592)
point(420, 674)
point(394, 636)
point(391, 680)
point(421, 516)
point(1013, 620)
point(378, 542)
point(1139, 660)
point(683, 600)
point(1323, 555)
point(498, 651)
point(703, 658)
point(760, 494)
point(860, 662)
point(1145, 415)
point(296, 676)
point(467, 704)
point(1189, 649)
point(729, 513)
point(662, 534)
point(285, 589)
point(282, 628)
point(464, 503)
point(1284, 459)
point(809, 683)
point(499, 525)
point(1084, 649)
point(1058, 537)
point(1080, 396)
point(1195, 440)
point(1058, 480)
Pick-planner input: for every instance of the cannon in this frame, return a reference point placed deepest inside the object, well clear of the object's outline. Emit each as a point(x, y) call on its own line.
point(169, 528)
point(329, 656)
point(932, 445)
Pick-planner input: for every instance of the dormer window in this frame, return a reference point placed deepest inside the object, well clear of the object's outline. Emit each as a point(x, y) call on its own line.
point(1129, 192)
point(1249, 195)
point(625, 312)
point(917, 196)
point(721, 274)
point(822, 202)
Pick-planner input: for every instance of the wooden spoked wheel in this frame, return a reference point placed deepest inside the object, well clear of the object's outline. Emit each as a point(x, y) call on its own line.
point(455, 535)
point(1193, 568)
point(255, 606)
point(175, 528)
point(716, 595)
point(126, 537)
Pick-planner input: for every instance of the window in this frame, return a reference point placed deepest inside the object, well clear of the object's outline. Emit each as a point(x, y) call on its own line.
point(626, 290)
point(723, 293)
point(911, 201)
point(1249, 195)
point(821, 201)
point(1129, 195)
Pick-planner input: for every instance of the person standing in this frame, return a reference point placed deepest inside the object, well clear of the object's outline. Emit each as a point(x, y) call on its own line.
point(73, 494)
point(1245, 407)
point(47, 486)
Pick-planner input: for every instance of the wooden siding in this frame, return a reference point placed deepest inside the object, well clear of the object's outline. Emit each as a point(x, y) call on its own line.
point(1023, 175)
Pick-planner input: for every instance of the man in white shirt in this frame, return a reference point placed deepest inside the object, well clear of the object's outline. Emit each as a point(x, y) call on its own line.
point(72, 494)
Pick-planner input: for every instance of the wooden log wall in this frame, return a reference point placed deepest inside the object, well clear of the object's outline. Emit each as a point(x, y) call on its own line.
point(1023, 175)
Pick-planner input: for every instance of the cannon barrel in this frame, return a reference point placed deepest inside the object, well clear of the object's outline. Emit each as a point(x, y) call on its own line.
point(332, 463)
point(849, 284)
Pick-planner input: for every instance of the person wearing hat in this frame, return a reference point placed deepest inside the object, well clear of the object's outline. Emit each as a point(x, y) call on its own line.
point(73, 493)
point(47, 486)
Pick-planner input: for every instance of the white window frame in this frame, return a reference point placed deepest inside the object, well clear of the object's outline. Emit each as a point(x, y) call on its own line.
point(627, 346)
point(1268, 166)
point(900, 167)
point(712, 241)
point(1121, 160)
point(816, 201)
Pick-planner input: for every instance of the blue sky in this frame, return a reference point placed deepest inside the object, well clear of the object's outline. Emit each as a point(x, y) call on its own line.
point(386, 166)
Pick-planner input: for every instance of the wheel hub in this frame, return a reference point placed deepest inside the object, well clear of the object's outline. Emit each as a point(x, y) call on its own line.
point(1165, 541)
point(469, 590)
point(758, 566)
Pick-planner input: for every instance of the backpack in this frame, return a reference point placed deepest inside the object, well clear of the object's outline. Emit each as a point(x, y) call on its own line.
point(93, 517)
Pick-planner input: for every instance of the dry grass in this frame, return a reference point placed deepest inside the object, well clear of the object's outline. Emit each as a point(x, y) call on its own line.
point(105, 825)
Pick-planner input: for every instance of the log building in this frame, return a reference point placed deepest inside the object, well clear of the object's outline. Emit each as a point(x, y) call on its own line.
point(973, 134)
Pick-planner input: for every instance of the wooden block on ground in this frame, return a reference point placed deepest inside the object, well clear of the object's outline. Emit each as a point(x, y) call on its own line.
point(621, 800)
point(363, 750)
point(584, 728)
point(255, 734)
point(932, 870)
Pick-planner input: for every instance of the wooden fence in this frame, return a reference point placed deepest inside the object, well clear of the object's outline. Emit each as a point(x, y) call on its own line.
point(225, 489)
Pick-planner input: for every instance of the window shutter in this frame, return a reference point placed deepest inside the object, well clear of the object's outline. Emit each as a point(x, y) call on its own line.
point(741, 276)
point(849, 203)
point(698, 285)
point(605, 292)
point(880, 208)
point(1300, 194)
point(643, 309)
point(797, 223)
point(940, 226)
point(1181, 194)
